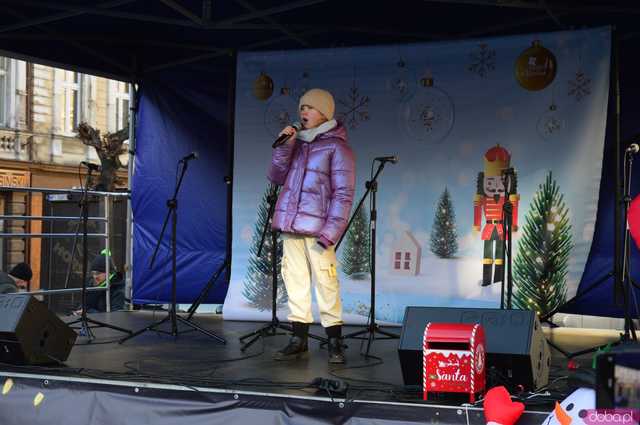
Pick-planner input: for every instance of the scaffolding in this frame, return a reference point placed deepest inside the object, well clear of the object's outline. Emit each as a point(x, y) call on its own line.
point(105, 219)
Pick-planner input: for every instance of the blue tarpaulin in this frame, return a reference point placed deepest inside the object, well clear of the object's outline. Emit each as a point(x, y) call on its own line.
point(179, 114)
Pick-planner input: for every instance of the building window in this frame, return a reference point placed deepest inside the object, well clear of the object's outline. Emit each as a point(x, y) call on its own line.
point(68, 100)
point(396, 263)
point(13, 88)
point(407, 261)
point(119, 105)
point(4, 90)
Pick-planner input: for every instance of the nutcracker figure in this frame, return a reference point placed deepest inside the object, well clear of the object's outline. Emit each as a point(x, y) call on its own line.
point(493, 184)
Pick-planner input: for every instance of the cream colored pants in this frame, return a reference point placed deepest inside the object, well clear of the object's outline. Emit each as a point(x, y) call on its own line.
point(304, 261)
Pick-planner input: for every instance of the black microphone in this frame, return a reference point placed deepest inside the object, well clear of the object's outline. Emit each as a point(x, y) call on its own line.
point(280, 140)
point(192, 155)
point(633, 148)
point(392, 159)
point(92, 167)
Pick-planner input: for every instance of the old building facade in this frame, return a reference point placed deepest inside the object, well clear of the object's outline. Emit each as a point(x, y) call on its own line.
point(40, 106)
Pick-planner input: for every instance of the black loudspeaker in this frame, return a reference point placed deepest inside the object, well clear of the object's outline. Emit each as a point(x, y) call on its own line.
point(30, 333)
point(517, 352)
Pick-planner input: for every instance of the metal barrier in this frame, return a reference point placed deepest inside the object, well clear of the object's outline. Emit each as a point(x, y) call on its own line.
point(104, 219)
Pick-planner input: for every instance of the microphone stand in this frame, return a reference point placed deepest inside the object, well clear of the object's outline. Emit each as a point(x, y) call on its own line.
point(84, 321)
point(214, 277)
point(626, 281)
point(172, 316)
point(271, 329)
point(369, 333)
point(507, 230)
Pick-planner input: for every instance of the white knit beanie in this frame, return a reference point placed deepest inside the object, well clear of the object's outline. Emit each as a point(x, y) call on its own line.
point(321, 100)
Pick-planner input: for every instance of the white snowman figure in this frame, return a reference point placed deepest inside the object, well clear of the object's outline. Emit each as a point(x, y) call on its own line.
point(573, 409)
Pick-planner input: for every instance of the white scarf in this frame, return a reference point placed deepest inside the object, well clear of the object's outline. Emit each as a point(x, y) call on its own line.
point(309, 134)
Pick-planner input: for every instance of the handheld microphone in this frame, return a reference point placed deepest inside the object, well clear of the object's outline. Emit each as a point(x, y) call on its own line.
point(192, 155)
point(633, 148)
point(89, 165)
point(280, 140)
point(392, 159)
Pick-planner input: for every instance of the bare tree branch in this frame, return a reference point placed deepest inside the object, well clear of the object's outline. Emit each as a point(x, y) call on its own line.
point(109, 147)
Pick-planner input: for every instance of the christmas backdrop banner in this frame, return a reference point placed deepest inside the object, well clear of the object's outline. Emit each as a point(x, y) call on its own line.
point(457, 114)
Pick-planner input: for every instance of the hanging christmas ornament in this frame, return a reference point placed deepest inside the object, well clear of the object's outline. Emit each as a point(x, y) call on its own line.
point(402, 82)
point(483, 60)
point(263, 87)
point(536, 67)
point(354, 109)
point(430, 114)
point(281, 112)
point(551, 123)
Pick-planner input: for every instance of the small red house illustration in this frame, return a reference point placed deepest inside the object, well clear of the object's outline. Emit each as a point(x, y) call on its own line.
point(406, 255)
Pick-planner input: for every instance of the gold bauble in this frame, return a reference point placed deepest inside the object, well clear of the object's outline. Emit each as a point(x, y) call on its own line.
point(536, 67)
point(263, 87)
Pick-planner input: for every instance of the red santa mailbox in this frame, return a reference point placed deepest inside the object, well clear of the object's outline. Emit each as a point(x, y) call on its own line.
point(453, 359)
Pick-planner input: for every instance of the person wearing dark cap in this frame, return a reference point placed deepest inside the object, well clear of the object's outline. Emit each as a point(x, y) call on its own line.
point(96, 300)
point(17, 279)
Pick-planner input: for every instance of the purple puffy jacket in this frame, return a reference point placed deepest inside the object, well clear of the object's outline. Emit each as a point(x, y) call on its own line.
point(318, 179)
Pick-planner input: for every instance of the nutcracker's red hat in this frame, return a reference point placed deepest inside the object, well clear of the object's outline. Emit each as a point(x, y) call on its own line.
point(495, 160)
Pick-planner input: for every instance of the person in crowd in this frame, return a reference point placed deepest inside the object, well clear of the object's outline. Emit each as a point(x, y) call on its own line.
point(18, 279)
point(97, 300)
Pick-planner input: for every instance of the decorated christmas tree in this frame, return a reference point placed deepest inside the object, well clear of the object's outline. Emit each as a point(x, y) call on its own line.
point(258, 282)
point(540, 267)
point(444, 242)
point(356, 251)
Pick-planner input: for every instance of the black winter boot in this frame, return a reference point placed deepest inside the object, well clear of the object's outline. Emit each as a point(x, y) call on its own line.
point(334, 346)
point(487, 270)
point(298, 346)
point(498, 274)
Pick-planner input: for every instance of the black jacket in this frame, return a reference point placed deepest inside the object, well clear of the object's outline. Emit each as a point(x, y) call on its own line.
point(97, 300)
point(7, 284)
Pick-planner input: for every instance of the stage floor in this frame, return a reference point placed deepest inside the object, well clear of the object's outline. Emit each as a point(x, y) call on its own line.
point(199, 357)
point(194, 360)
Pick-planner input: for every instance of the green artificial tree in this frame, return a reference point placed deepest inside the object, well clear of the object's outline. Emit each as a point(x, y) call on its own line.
point(444, 238)
point(356, 251)
point(540, 267)
point(258, 282)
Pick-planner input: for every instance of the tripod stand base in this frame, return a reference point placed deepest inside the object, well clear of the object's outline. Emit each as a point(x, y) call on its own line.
point(268, 330)
point(369, 334)
point(174, 319)
point(85, 329)
point(272, 330)
point(622, 340)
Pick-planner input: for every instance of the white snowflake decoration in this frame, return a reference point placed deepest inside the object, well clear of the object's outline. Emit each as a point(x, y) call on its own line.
point(580, 86)
point(304, 84)
point(280, 112)
point(483, 60)
point(355, 108)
